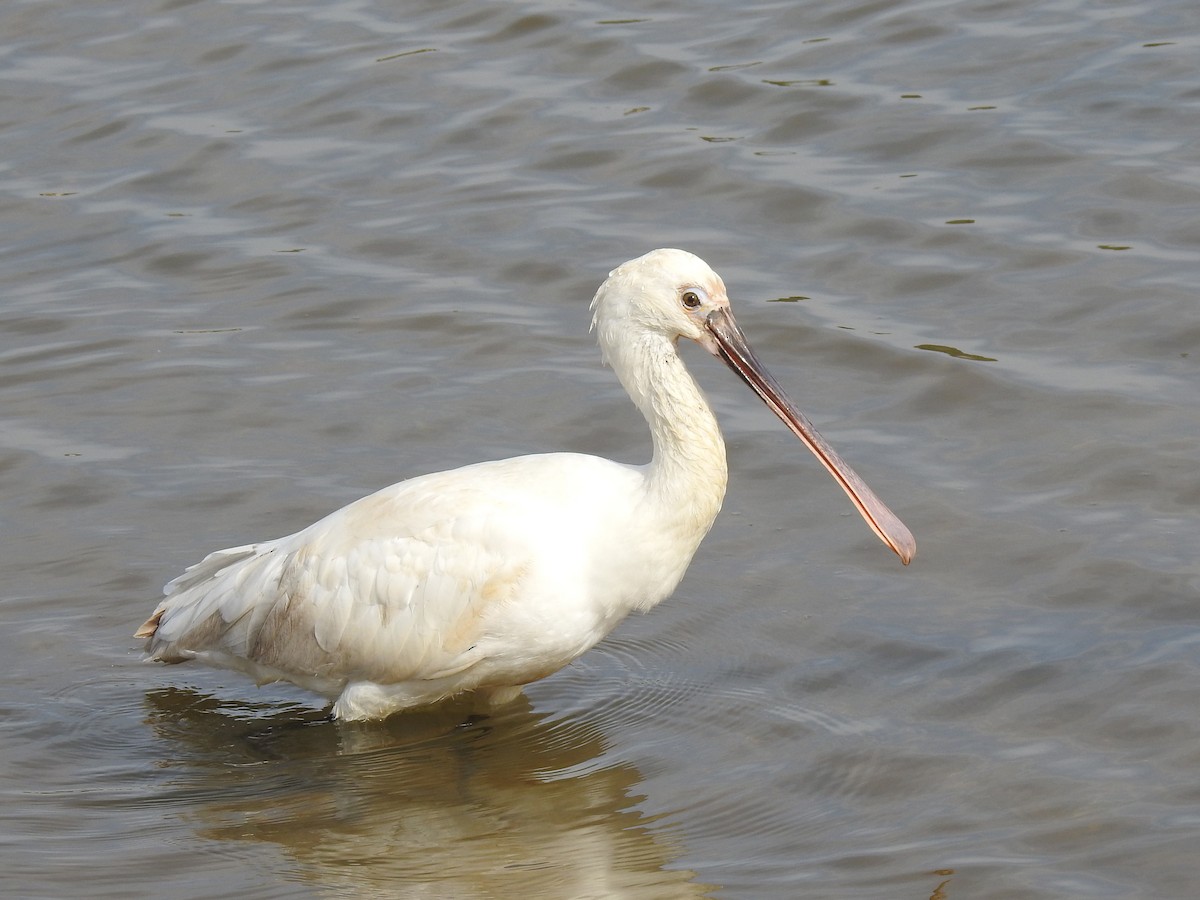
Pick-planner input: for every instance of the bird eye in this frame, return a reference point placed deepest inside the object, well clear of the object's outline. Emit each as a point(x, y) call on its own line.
point(691, 300)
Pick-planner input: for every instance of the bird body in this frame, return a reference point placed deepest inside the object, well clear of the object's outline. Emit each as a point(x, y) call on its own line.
point(491, 576)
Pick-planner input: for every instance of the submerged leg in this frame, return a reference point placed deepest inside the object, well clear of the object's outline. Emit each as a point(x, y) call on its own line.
point(362, 700)
point(493, 697)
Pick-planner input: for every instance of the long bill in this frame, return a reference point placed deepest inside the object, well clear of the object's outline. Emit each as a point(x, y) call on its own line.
point(732, 347)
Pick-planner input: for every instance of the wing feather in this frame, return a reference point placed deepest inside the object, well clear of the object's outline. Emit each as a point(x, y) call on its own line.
point(401, 585)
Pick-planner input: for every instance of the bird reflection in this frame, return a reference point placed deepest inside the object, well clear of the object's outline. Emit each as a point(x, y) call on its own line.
point(435, 803)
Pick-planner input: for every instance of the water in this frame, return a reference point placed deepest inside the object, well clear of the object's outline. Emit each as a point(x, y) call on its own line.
point(261, 258)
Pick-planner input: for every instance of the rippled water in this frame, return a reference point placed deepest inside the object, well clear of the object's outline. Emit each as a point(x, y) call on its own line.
point(261, 258)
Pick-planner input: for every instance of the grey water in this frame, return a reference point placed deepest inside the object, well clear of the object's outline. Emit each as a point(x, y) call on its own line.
point(259, 259)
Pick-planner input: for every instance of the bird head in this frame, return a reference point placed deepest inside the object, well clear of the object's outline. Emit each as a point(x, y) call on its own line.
point(648, 303)
point(669, 293)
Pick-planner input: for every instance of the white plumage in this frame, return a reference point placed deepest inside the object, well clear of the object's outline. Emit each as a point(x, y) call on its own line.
point(491, 576)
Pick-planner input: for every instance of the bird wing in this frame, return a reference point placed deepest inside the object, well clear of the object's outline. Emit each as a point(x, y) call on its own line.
point(395, 586)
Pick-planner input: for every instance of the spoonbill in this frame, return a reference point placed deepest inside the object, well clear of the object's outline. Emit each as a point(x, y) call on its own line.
point(486, 578)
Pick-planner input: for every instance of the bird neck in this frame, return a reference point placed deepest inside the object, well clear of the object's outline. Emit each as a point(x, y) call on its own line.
point(688, 473)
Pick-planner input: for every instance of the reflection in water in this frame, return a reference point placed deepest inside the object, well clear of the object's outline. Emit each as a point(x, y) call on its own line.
point(434, 803)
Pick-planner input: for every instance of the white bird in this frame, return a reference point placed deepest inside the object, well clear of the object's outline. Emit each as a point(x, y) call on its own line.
point(485, 578)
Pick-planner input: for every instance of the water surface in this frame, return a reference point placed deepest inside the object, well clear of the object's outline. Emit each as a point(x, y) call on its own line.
point(261, 259)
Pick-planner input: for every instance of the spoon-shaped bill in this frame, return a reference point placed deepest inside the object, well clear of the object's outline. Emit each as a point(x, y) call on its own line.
point(732, 347)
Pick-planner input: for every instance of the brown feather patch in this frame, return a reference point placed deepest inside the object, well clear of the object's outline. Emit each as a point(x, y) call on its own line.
point(150, 625)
